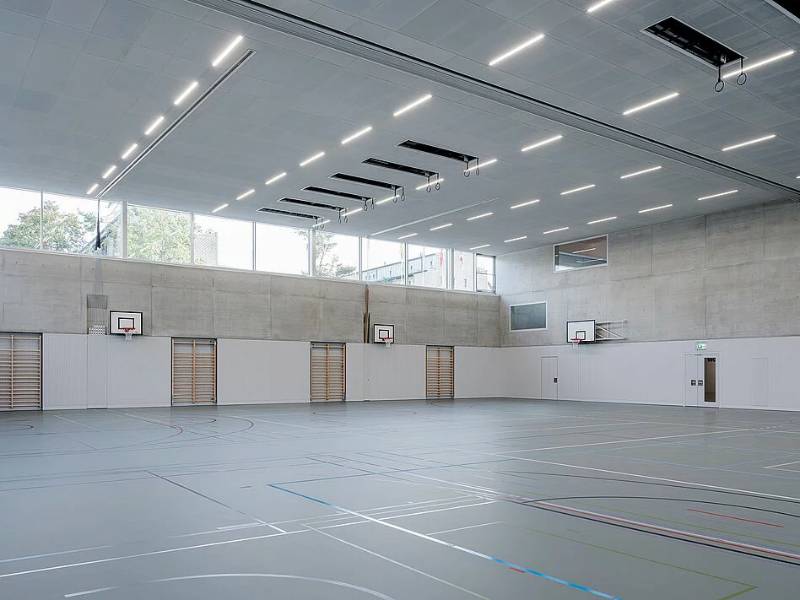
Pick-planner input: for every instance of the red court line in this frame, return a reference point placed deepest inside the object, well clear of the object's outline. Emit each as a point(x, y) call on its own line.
point(713, 514)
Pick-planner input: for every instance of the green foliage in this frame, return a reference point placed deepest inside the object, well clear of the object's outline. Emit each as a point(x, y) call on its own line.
point(159, 235)
point(61, 231)
point(326, 262)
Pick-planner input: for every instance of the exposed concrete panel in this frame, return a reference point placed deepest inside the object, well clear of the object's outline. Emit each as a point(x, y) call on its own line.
point(730, 274)
point(183, 312)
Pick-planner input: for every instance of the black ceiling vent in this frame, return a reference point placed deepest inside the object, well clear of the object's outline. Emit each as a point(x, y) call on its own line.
point(337, 193)
point(443, 152)
point(365, 181)
point(693, 42)
point(311, 204)
point(287, 213)
point(377, 162)
point(788, 7)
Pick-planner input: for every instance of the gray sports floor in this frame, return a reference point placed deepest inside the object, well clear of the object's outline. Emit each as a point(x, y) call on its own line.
point(401, 500)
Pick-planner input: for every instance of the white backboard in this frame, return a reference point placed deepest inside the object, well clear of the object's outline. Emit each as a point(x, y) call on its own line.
point(580, 330)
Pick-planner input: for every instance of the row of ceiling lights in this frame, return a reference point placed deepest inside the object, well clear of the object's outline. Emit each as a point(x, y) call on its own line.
point(159, 120)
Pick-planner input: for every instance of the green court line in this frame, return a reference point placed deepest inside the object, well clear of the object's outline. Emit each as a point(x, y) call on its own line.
point(739, 593)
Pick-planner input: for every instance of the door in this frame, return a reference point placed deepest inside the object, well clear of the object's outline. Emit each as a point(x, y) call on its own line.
point(439, 372)
point(194, 371)
point(327, 372)
point(701, 382)
point(550, 377)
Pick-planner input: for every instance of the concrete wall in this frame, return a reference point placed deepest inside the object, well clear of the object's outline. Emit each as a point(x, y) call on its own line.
point(44, 292)
point(725, 275)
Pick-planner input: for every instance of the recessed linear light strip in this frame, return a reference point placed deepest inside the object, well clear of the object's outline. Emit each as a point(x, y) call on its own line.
point(515, 239)
point(275, 178)
point(432, 217)
point(312, 158)
point(604, 220)
point(516, 49)
point(176, 123)
point(443, 226)
point(154, 125)
point(526, 203)
point(556, 230)
point(185, 93)
point(321, 223)
point(480, 165)
point(541, 143)
point(654, 102)
point(719, 195)
point(759, 63)
point(757, 140)
point(227, 50)
point(662, 207)
point(412, 105)
point(480, 246)
point(406, 236)
point(220, 207)
point(356, 135)
point(598, 5)
point(92, 189)
point(109, 171)
point(387, 199)
point(432, 182)
point(480, 216)
point(246, 194)
point(577, 189)
point(642, 172)
point(129, 151)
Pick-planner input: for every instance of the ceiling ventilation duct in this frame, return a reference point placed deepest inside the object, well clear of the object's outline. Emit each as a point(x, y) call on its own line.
point(698, 45)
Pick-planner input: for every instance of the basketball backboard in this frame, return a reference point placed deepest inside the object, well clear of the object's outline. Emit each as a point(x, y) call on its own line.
point(580, 330)
point(125, 323)
point(383, 334)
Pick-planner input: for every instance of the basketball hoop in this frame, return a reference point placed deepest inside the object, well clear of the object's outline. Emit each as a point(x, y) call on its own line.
point(128, 331)
point(575, 342)
point(388, 341)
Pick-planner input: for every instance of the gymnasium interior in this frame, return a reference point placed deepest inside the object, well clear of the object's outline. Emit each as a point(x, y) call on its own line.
point(399, 299)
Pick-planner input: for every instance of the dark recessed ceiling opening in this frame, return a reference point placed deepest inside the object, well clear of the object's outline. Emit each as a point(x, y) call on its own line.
point(287, 213)
point(337, 193)
point(385, 164)
point(688, 39)
point(443, 152)
point(365, 181)
point(311, 204)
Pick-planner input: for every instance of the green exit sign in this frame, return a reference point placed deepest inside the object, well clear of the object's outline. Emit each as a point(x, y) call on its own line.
point(700, 346)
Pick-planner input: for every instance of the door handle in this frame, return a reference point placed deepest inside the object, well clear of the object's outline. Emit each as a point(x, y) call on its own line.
point(699, 382)
point(555, 379)
point(694, 382)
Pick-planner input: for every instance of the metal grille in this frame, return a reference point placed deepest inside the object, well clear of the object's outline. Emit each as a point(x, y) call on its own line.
point(20, 371)
point(194, 371)
point(439, 372)
point(327, 372)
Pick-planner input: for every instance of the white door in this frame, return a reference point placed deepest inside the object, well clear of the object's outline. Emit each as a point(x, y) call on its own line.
point(550, 377)
point(701, 380)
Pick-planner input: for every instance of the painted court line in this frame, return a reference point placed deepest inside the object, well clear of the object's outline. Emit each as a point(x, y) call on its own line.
point(464, 528)
point(786, 464)
point(713, 514)
point(650, 439)
point(89, 592)
point(535, 573)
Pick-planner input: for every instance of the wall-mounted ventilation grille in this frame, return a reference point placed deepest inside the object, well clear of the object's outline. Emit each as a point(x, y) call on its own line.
point(385, 164)
point(337, 193)
point(327, 372)
point(287, 213)
point(194, 371)
point(20, 371)
point(96, 314)
point(693, 42)
point(443, 152)
point(311, 204)
point(365, 181)
point(439, 372)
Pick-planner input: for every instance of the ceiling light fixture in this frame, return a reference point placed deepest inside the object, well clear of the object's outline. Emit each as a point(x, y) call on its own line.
point(516, 239)
point(129, 151)
point(432, 182)
point(642, 172)
point(412, 105)
point(519, 48)
point(352, 211)
point(275, 178)
point(577, 189)
point(760, 63)
point(481, 246)
point(557, 229)
point(480, 165)
point(387, 199)
point(406, 236)
point(601, 220)
point(540, 143)
point(662, 207)
point(159, 119)
point(220, 207)
point(221, 56)
point(635, 109)
point(598, 5)
point(92, 189)
point(312, 158)
point(728, 193)
point(321, 223)
point(438, 227)
point(758, 140)
point(480, 216)
point(185, 93)
point(356, 135)
point(526, 203)
point(244, 195)
point(109, 171)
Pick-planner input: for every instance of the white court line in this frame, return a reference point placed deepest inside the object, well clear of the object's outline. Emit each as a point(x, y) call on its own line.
point(650, 439)
point(653, 477)
point(401, 516)
point(87, 592)
point(143, 554)
point(32, 556)
point(794, 462)
point(463, 528)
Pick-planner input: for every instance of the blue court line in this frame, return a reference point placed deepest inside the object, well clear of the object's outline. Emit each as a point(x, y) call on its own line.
point(557, 580)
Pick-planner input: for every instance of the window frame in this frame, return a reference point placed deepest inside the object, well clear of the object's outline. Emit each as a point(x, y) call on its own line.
point(591, 237)
point(494, 274)
point(546, 316)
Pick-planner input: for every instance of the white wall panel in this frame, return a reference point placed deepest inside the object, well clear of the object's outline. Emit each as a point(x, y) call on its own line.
point(63, 371)
point(262, 371)
point(375, 372)
point(97, 371)
point(138, 371)
point(479, 372)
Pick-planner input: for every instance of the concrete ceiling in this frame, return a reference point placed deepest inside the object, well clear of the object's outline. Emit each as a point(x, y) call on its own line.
point(80, 81)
